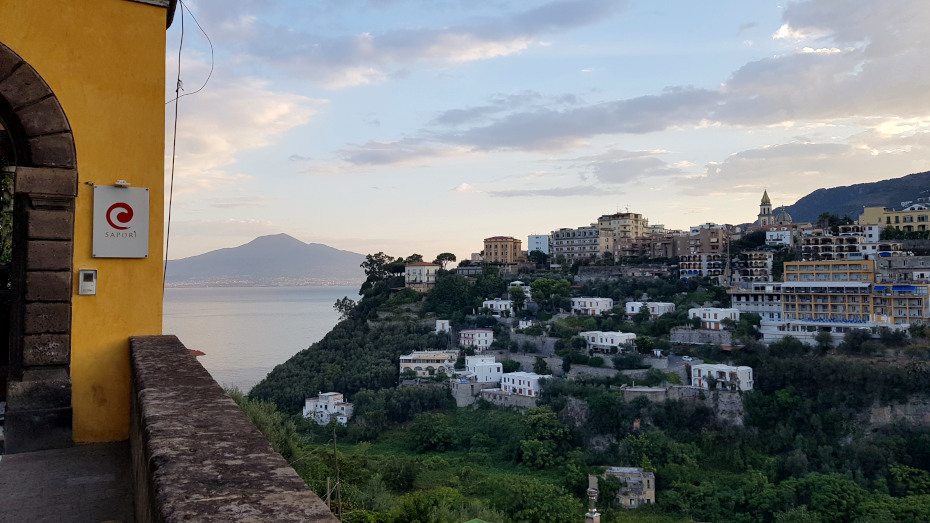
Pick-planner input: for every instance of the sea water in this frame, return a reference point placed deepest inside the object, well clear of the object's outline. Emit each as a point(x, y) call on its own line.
point(246, 331)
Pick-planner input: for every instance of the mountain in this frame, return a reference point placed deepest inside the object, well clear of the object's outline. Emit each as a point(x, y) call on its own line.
point(849, 200)
point(277, 259)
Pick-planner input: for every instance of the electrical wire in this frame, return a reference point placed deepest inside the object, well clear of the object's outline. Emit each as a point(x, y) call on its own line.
point(174, 150)
point(174, 137)
point(212, 58)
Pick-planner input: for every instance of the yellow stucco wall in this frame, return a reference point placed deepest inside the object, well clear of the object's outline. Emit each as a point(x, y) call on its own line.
point(105, 61)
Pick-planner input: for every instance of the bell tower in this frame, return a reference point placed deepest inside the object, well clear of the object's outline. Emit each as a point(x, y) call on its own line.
point(765, 210)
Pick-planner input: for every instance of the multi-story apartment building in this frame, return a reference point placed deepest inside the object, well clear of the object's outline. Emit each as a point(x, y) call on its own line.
point(900, 269)
point(708, 238)
point(420, 276)
point(828, 291)
point(608, 342)
point(429, 362)
point(726, 377)
point(538, 242)
point(762, 298)
point(654, 246)
point(575, 244)
point(619, 226)
point(707, 265)
point(328, 406)
point(754, 266)
point(591, 306)
point(900, 304)
point(502, 249)
point(915, 217)
point(480, 339)
point(854, 242)
point(712, 317)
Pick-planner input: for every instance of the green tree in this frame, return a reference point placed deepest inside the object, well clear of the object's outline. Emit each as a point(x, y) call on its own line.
point(510, 366)
point(538, 257)
point(344, 307)
point(431, 431)
point(549, 293)
point(541, 367)
point(443, 259)
point(414, 258)
point(375, 266)
point(518, 296)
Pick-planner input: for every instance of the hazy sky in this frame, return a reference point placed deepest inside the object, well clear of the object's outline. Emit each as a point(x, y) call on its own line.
point(426, 126)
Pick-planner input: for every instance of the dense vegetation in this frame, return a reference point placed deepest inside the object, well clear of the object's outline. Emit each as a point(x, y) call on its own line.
point(808, 449)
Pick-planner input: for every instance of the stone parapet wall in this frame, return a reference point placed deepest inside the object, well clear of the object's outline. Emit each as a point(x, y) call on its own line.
point(195, 455)
point(701, 336)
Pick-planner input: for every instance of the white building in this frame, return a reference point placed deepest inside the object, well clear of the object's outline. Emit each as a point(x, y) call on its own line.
point(497, 305)
point(328, 406)
point(420, 276)
point(727, 377)
point(656, 308)
point(484, 369)
point(607, 341)
point(538, 242)
point(442, 326)
point(524, 324)
point(522, 383)
point(591, 306)
point(429, 362)
point(711, 317)
point(762, 298)
point(480, 339)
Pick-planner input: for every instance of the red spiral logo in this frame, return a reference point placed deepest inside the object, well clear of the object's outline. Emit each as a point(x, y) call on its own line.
point(124, 216)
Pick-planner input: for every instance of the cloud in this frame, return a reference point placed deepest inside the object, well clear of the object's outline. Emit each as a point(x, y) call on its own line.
point(855, 59)
point(794, 169)
point(339, 61)
point(228, 117)
point(557, 192)
point(463, 187)
point(408, 152)
point(618, 166)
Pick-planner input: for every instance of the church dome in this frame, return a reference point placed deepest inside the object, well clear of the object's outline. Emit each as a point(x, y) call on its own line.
point(781, 215)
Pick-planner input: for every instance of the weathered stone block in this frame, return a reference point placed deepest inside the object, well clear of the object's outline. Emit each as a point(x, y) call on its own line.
point(32, 430)
point(8, 61)
point(43, 117)
point(61, 182)
point(47, 318)
point(46, 349)
point(48, 255)
point(53, 150)
point(23, 86)
point(49, 225)
point(48, 286)
point(39, 394)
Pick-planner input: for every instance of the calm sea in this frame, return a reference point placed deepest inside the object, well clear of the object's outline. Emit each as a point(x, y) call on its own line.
point(246, 331)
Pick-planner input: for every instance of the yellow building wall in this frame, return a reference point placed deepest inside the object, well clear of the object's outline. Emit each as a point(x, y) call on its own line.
point(105, 61)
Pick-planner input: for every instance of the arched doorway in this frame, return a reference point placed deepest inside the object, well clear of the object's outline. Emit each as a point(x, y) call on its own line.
point(37, 146)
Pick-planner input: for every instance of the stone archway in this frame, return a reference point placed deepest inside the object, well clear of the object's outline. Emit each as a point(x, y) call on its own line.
point(45, 187)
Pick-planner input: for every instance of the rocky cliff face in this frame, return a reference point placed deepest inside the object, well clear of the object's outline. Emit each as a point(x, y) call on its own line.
point(915, 411)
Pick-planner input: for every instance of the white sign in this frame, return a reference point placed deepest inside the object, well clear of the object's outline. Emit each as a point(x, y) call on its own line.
point(121, 222)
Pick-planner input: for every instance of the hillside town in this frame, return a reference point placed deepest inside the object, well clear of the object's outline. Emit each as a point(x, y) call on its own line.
point(816, 284)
